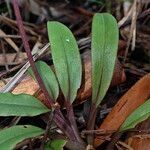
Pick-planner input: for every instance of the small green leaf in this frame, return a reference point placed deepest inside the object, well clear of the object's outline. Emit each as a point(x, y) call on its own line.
point(11, 136)
point(137, 116)
point(104, 51)
point(66, 58)
point(20, 105)
point(55, 145)
point(48, 78)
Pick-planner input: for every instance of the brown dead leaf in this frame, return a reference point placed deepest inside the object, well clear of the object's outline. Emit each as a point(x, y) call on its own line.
point(27, 86)
point(129, 102)
point(140, 140)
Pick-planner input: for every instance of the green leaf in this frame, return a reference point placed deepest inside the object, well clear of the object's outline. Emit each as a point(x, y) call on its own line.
point(48, 78)
point(104, 51)
point(66, 58)
point(20, 105)
point(57, 144)
point(137, 116)
point(11, 136)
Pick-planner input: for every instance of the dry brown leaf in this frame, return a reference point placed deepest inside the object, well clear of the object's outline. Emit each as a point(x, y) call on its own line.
point(140, 140)
point(136, 96)
point(27, 86)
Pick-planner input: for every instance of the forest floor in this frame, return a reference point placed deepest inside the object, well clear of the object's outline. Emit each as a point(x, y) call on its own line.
point(130, 86)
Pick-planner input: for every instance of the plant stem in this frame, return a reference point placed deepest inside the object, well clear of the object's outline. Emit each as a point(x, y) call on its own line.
point(91, 123)
point(48, 100)
point(47, 130)
point(58, 117)
point(63, 125)
point(72, 121)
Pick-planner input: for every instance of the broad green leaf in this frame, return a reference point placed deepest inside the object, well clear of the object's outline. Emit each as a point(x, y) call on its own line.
point(11, 136)
point(57, 144)
point(66, 58)
point(104, 51)
point(20, 105)
point(48, 78)
point(137, 116)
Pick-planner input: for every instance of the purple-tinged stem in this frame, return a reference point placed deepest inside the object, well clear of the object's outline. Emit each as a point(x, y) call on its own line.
point(63, 125)
point(58, 117)
point(71, 118)
point(48, 100)
point(91, 123)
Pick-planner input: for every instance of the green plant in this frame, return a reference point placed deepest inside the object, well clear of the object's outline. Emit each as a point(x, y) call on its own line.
point(67, 62)
point(137, 116)
point(104, 51)
point(20, 105)
point(67, 76)
point(55, 145)
point(48, 77)
point(11, 136)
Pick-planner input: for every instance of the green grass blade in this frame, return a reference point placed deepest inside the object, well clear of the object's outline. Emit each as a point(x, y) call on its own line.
point(66, 58)
point(20, 105)
point(11, 136)
point(137, 116)
point(48, 78)
point(104, 51)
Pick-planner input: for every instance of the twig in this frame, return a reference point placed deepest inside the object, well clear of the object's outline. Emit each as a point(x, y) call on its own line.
point(9, 8)
point(124, 145)
point(4, 56)
point(98, 132)
point(11, 22)
point(10, 36)
point(132, 29)
point(11, 84)
point(9, 41)
point(124, 19)
point(139, 17)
